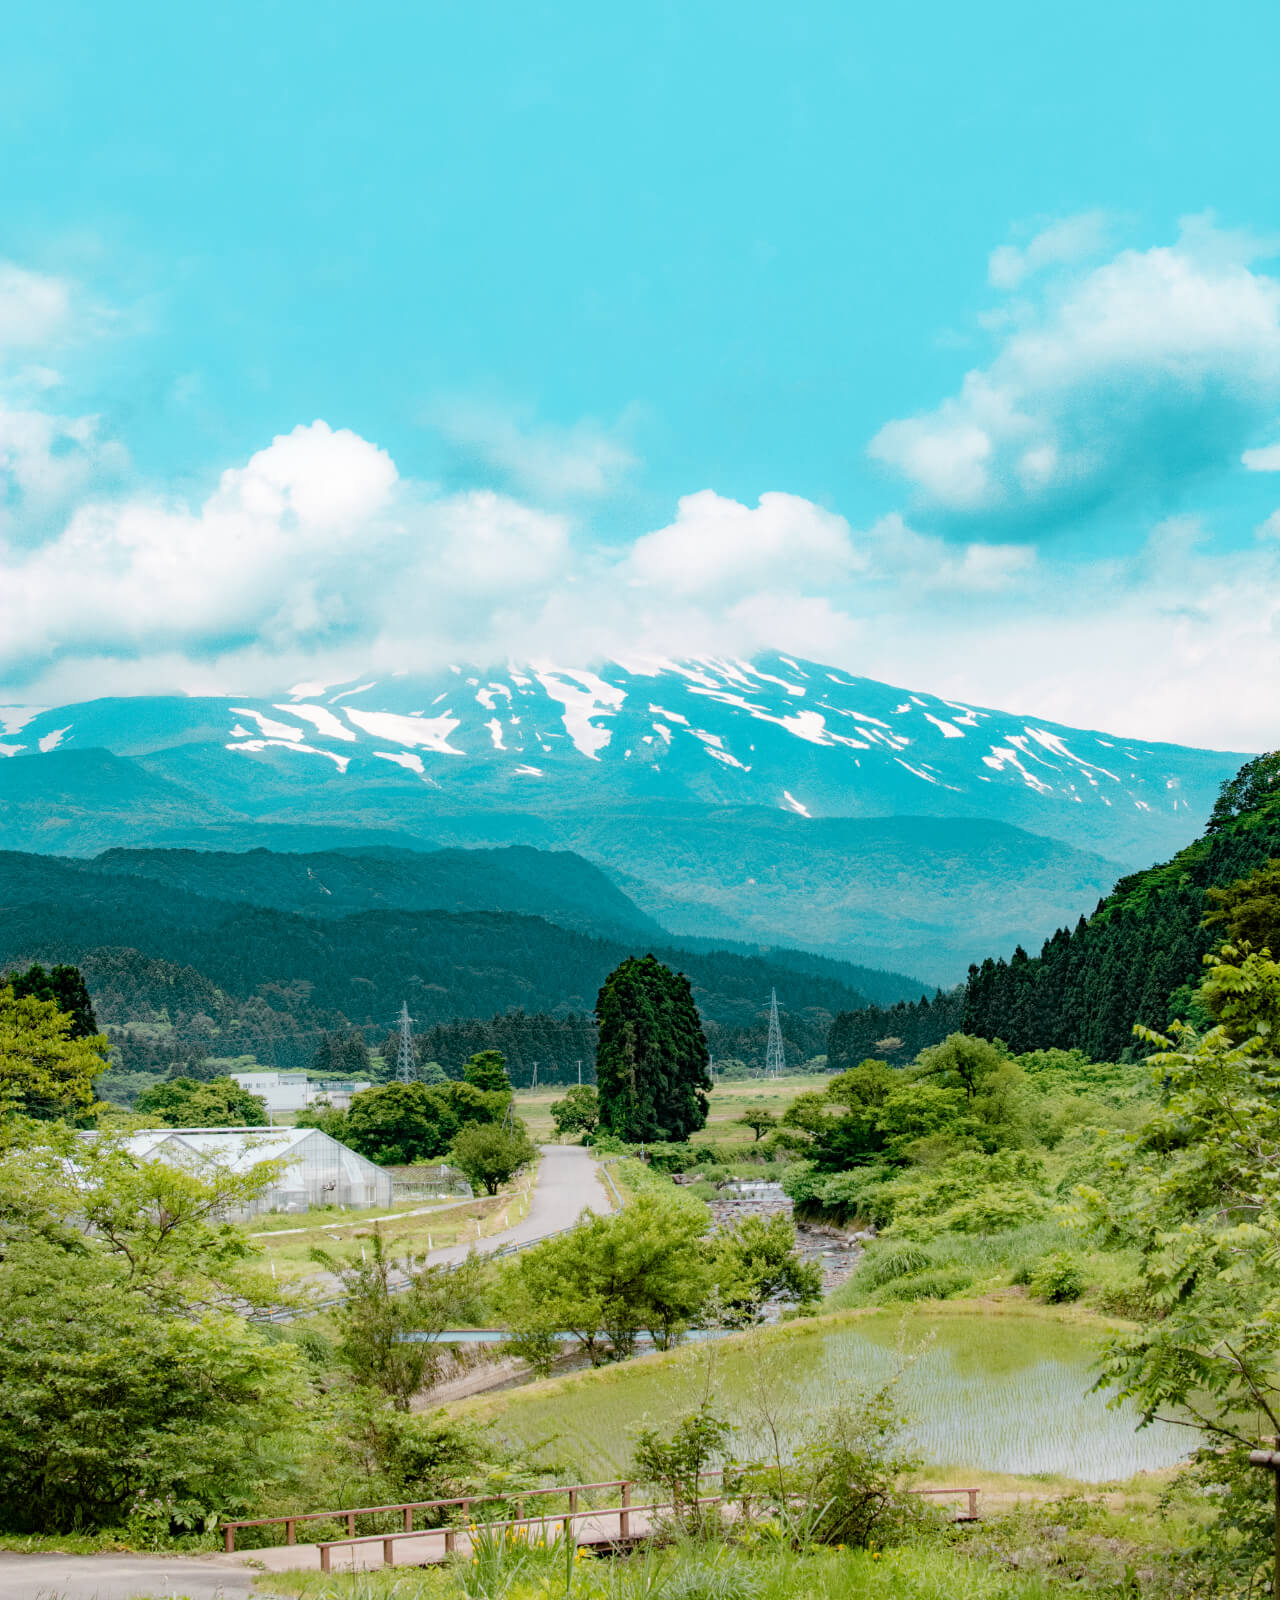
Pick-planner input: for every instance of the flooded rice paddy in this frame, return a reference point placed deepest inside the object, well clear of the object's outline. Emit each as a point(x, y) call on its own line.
point(1008, 1393)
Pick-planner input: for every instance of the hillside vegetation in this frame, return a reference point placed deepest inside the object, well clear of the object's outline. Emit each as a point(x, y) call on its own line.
point(1137, 958)
point(177, 975)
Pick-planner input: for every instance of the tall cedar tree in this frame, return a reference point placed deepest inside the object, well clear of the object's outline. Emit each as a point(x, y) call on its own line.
point(652, 1065)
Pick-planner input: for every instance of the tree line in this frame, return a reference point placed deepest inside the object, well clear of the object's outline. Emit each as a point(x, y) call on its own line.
point(1139, 957)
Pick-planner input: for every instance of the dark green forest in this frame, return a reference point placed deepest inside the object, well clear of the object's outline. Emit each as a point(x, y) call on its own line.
point(177, 977)
point(1138, 957)
point(892, 1033)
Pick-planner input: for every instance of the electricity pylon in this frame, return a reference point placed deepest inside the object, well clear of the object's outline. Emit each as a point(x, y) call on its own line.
point(404, 1057)
point(775, 1056)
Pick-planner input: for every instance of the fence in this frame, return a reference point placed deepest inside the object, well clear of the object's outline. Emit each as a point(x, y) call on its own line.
point(447, 1532)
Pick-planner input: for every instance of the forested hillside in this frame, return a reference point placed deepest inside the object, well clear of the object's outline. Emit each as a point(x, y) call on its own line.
point(177, 976)
point(556, 884)
point(1136, 958)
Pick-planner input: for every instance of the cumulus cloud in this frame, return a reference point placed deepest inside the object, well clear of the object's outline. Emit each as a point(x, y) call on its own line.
point(718, 547)
point(315, 558)
point(314, 542)
point(1264, 459)
point(1068, 239)
point(1129, 380)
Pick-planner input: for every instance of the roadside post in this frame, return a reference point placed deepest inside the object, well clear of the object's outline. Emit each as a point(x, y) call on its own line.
point(1270, 1459)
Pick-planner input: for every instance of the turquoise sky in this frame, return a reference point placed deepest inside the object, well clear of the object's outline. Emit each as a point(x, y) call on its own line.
point(595, 259)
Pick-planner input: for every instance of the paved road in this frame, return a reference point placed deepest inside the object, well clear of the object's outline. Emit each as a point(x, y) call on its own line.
point(569, 1182)
point(115, 1577)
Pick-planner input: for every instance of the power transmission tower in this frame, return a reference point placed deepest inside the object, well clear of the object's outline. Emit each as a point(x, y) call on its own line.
point(404, 1056)
point(775, 1056)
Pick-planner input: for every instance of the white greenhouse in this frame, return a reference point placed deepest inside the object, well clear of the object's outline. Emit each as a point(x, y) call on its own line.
point(319, 1170)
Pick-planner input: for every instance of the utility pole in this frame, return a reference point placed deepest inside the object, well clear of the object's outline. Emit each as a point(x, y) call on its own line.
point(404, 1056)
point(775, 1056)
point(534, 1084)
point(579, 1074)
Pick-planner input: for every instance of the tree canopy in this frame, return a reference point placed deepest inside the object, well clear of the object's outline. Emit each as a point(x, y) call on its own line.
point(488, 1154)
point(652, 1063)
point(488, 1071)
point(187, 1103)
point(398, 1124)
point(47, 1069)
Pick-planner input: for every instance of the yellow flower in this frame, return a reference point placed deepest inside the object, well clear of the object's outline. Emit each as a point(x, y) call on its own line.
point(875, 1555)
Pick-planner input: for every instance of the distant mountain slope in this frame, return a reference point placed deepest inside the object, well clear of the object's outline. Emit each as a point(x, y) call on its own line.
point(253, 978)
point(537, 740)
point(684, 780)
point(557, 885)
point(928, 894)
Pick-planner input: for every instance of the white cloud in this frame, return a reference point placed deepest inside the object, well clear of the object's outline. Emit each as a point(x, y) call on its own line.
point(35, 309)
point(1148, 369)
point(718, 547)
point(1069, 239)
point(485, 543)
point(1265, 459)
point(583, 461)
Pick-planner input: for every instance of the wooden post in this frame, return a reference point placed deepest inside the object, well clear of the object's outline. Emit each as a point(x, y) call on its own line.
point(624, 1515)
point(973, 1504)
point(324, 1558)
point(289, 1536)
point(1270, 1459)
point(448, 1541)
point(408, 1519)
point(229, 1538)
point(388, 1559)
point(351, 1524)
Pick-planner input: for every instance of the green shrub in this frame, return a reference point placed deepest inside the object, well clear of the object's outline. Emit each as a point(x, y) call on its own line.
point(885, 1262)
point(1058, 1278)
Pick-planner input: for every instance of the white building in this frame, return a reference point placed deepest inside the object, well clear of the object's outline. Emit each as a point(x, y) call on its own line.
point(319, 1170)
point(286, 1092)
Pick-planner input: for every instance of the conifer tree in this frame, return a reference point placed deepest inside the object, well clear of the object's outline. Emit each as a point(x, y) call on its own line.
point(652, 1064)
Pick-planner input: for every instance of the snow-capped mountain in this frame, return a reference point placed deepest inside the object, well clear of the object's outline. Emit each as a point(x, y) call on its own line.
point(695, 782)
point(777, 732)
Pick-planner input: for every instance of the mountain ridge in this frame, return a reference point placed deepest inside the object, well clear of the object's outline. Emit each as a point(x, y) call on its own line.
point(644, 768)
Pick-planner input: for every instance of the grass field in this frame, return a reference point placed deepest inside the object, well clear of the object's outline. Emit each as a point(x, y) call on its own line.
point(727, 1102)
point(412, 1229)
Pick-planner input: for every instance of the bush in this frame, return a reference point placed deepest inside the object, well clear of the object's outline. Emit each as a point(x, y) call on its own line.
point(936, 1283)
point(885, 1262)
point(849, 1471)
point(1058, 1278)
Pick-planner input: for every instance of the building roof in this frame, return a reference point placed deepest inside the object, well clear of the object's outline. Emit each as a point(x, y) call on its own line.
point(237, 1148)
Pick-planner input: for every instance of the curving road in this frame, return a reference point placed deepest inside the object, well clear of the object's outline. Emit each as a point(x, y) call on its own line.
point(569, 1183)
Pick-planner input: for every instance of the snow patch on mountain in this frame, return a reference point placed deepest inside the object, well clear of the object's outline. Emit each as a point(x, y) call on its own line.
point(431, 733)
point(403, 758)
point(322, 720)
point(584, 697)
point(268, 726)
